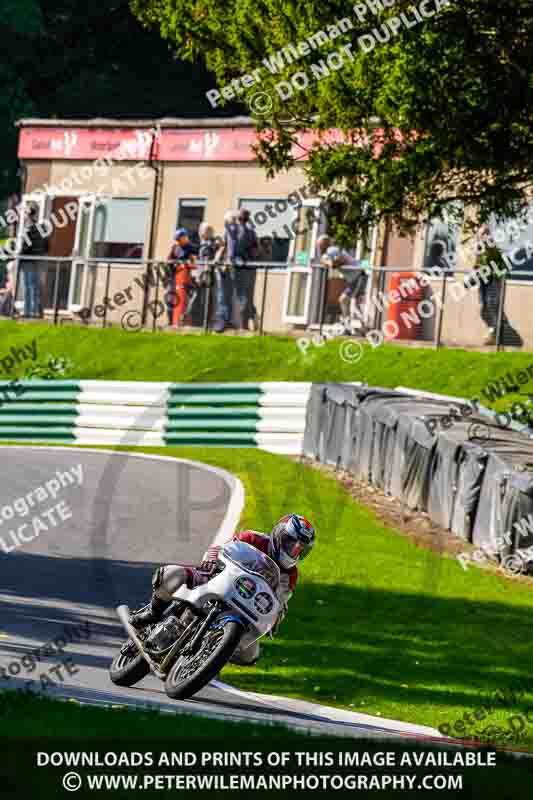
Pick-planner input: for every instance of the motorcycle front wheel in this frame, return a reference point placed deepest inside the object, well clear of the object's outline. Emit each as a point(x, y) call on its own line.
point(191, 673)
point(129, 667)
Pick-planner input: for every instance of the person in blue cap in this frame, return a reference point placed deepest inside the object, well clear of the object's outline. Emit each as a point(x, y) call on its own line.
point(181, 251)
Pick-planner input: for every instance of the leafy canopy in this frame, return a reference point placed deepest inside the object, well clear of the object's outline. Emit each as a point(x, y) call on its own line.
point(457, 87)
point(73, 59)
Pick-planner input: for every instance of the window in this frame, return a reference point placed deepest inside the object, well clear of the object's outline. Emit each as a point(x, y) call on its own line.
point(514, 237)
point(333, 213)
point(298, 296)
point(442, 238)
point(120, 228)
point(272, 219)
point(191, 213)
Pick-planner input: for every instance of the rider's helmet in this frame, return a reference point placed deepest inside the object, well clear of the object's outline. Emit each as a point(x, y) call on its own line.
point(291, 540)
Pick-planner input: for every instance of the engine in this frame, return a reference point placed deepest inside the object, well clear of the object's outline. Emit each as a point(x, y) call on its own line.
point(164, 635)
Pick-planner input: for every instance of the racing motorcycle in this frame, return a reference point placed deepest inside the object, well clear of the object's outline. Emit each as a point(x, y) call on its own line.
point(202, 627)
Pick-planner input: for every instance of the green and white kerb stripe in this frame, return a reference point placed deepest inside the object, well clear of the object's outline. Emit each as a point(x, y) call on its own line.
point(270, 416)
point(39, 410)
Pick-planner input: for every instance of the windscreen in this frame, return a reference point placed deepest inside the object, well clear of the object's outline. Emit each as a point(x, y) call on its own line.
point(253, 560)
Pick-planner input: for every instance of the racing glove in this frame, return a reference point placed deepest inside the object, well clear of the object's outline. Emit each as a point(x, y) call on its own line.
point(210, 558)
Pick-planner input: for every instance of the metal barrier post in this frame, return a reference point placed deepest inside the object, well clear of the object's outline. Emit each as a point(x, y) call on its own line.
point(501, 307)
point(438, 327)
point(263, 303)
point(209, 289)
point(156, 300)
point(56, 293)
point(323, 294)
point(147, 283)
point(382, 278)
point(106, 293)
point(15, 289)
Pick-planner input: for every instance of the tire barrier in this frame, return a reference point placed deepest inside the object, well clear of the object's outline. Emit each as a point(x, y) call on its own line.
point(270, 416)
point(435, 454)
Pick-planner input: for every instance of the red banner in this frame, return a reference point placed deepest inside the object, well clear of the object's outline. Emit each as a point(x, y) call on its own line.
point(85, 144)
point(202, 144)
point(134, 144)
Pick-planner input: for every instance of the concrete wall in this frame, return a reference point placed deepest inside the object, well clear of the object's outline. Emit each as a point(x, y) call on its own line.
point(38, 173)
point(398, 250)
point(222, 185)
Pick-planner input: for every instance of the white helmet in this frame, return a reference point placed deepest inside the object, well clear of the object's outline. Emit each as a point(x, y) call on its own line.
point(291, 540)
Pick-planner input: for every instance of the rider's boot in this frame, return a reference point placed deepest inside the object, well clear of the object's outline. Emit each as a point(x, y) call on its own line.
point(246, 657)
point(151, 613)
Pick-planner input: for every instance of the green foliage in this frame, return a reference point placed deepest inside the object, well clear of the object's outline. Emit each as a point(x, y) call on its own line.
point(49, 369)
point(458, 87)
point(114, 354)
point(69, 59)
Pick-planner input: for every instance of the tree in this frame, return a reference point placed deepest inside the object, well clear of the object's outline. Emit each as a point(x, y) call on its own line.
point(72, 59)
point(432, 108)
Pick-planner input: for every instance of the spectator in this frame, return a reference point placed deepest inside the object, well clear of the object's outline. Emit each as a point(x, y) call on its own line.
point(208, 242)
point(490, 288)
point(353, 294)
point(6, 294)
point(177, 291)
point(241, 247)
point(439, 256)
point(224, 280)
point(208, 246)
point(34, 244)
point(322, 244)
point(246, 275)
point(207, 250)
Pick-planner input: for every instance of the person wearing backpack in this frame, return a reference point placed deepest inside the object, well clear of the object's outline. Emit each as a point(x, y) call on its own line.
point(34, 245)
point(245, 249)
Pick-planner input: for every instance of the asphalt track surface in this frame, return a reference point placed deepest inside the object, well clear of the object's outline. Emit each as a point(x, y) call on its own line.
point(129, 515)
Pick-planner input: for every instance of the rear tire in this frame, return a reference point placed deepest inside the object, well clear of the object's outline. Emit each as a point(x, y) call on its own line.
point(127, 670)
point(181, 688)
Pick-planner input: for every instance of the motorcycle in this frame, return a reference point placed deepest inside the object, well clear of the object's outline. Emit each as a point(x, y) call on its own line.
point(202, 627)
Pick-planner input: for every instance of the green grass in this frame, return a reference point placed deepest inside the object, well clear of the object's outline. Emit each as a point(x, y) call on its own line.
point(378, 625)
point(113, 354)
point(61, 730)
point(31, 716)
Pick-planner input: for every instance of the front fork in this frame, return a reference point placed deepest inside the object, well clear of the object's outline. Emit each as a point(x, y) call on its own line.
point(193, 645)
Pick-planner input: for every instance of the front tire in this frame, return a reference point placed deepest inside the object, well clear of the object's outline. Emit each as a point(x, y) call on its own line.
point(128, 668)
point(188, 676)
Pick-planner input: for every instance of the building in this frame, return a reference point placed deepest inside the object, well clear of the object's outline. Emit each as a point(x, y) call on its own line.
point(131, 183)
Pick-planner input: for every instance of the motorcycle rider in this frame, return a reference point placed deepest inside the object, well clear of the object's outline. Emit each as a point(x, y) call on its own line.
point(291, 540)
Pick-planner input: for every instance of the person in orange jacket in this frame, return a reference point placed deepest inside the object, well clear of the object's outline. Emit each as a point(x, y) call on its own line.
point(179, 275)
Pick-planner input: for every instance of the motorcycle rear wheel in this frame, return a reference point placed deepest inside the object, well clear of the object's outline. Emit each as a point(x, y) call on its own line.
point(185, 679)
point(128, 669)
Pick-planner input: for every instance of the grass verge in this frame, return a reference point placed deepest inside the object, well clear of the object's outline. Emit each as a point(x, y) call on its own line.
point(131, 750)
point(27, 716)
point(113, 354)
point(378, 625)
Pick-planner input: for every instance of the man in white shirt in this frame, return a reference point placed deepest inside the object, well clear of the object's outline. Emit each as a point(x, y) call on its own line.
point(354, 274)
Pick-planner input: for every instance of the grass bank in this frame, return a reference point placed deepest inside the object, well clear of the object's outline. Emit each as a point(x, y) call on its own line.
point(30, 716)
point(135, 750)
point(113, 354)
point(378, 625)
